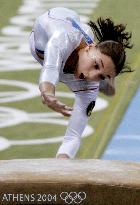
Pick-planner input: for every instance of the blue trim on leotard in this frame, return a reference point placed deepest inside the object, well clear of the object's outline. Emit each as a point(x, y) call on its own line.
point(86, 36)
point(75, 25)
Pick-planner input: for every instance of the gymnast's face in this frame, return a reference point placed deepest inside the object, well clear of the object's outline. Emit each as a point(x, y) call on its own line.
point(93, 65)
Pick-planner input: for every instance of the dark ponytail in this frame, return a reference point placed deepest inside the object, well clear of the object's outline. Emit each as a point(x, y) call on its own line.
point(112, 41)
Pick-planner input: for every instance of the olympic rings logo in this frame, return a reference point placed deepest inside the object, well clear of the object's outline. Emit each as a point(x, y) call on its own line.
point(73, 197)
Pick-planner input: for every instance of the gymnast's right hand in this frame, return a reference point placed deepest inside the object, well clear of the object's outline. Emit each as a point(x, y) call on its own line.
point(53, 103)
point(47, 90)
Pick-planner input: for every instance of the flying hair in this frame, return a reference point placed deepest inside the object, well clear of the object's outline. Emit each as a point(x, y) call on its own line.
point(106, 30)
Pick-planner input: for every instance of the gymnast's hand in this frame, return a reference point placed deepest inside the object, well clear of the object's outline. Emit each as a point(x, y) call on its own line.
point(47, 90)
point(53, 103)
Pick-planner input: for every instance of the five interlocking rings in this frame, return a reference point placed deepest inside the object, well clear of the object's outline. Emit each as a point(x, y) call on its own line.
point(73, 197)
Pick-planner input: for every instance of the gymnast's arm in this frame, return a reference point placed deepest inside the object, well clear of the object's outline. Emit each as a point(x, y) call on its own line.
point(49, 78)
point(84, 103)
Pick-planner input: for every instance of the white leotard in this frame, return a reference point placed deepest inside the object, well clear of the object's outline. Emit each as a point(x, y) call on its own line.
point(54, 35)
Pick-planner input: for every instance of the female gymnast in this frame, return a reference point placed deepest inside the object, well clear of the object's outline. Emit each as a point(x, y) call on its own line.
point(67, 52)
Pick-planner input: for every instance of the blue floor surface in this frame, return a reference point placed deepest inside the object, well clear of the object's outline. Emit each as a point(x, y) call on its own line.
point(125, 144)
